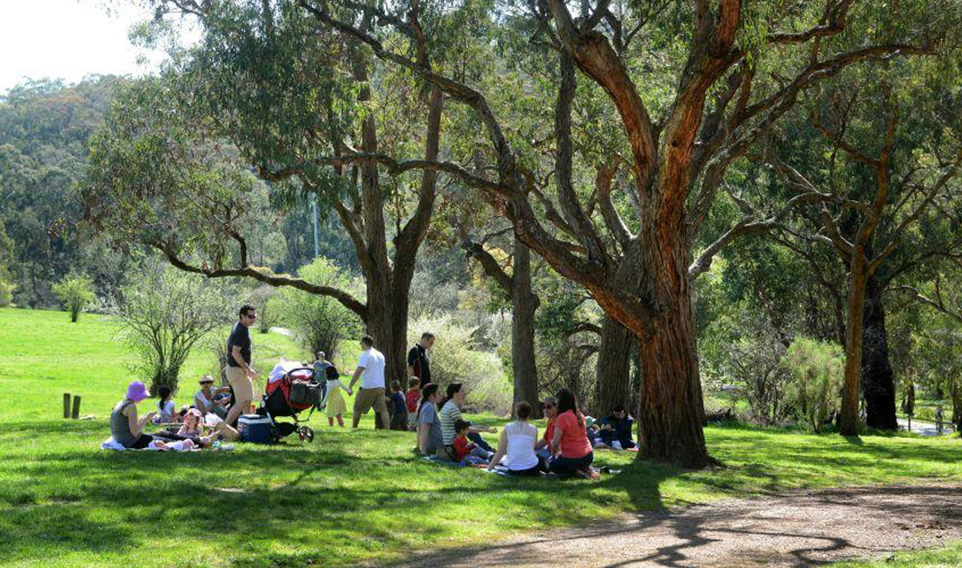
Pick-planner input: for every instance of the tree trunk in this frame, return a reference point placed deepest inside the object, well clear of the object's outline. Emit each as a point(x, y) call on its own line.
point(614, 368)
point(671, 411)
point(524, 303)
point(848, 423)
point(955, 391)
point(878, 379)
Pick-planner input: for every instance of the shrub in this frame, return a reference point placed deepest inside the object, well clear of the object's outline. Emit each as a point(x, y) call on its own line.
point(6, 292)
point(318, 322)
point(815, 388)
point(165, 312)
point(74, 292)
point(457, 358)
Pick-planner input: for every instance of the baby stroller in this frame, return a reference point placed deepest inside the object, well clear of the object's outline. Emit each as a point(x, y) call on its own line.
point(291, 392)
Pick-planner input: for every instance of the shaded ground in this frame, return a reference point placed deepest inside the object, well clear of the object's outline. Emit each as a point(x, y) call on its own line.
point(791, 531)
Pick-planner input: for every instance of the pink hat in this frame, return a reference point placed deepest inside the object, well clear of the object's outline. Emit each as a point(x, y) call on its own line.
point(137, 391)
point(195, 412)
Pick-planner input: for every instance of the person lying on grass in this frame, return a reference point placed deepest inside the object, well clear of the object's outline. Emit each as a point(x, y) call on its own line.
point(125, 427)
point(465, 451)
point(516, 444)
point(193, 429)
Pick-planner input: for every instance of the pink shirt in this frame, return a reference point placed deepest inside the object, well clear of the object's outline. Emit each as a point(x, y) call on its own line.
point(574, 438)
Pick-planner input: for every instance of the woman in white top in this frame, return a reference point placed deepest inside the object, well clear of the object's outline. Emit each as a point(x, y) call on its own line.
point(516, 445)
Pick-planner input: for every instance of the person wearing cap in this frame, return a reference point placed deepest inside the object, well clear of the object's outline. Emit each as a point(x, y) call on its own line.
point(125, 427)
point(204, 399)
point(320, 367)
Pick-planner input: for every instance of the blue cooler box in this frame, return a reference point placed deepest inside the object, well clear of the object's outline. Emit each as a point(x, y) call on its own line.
point(255, 428)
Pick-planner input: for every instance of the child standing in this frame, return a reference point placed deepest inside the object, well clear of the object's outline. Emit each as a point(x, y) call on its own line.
point(399, 420)
point(413, 397)
point(336, 407)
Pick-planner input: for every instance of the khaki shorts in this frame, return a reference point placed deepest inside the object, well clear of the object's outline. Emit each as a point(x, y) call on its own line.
point(366, 398)
point(242, 385)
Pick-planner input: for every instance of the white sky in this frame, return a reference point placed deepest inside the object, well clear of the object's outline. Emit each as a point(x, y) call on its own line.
point(67, 39)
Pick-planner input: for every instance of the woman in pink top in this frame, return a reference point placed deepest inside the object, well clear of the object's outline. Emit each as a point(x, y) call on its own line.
point(573, 455)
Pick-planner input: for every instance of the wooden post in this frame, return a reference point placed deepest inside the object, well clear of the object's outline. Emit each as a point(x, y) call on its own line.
point(66, 405)
point(76, 407)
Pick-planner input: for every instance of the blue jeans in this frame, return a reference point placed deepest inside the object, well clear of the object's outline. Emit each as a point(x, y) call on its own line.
point(570, 466)
point(477, 439)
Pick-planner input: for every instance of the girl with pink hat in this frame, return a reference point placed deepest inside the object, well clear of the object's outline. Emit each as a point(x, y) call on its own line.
point(125, 427)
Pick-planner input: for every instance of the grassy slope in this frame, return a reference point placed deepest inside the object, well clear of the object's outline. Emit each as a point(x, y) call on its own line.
point(350, 496)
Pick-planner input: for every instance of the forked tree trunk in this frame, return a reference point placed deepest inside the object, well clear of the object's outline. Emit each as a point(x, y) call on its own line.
point(614, 368)
point(524, 303)
point(878, 379)
point(848, 422)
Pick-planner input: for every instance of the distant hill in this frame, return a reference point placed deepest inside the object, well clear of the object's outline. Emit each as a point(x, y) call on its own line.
point(44, 128)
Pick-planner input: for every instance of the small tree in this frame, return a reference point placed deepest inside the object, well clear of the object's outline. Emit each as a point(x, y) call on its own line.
point(165, 312)
point(817, 369)
point(319, 322)
point(75, 292)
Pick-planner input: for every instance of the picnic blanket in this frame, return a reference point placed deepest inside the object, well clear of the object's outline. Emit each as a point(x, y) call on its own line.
point(111, 444)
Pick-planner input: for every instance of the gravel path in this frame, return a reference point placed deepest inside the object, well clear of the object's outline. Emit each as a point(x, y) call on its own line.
point(790, 531)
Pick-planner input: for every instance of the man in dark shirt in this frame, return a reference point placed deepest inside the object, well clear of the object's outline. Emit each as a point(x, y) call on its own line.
point(618, 428)
point(419, 359)
point(240, 374)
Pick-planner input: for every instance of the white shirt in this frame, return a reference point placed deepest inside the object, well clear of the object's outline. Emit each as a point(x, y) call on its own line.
point(372, 361)
point(521, 438)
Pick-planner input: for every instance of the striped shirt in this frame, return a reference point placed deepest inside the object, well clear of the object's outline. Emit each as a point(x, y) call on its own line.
point(449, 415)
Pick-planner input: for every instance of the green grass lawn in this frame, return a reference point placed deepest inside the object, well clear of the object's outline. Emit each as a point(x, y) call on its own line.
point(350, 496)
point(949, 557)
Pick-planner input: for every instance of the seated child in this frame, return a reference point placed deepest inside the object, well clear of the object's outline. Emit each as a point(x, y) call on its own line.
point(465, 450)
point(166, 409)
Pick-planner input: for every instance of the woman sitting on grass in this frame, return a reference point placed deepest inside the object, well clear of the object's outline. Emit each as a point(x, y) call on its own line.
point(204, 399)
point(573, 453)
point(451, 413)
point(429, 424)
point(517, 442)
point(126, 429)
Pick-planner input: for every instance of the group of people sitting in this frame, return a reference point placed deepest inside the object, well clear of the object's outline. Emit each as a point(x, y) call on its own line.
point(200, 425)
point(565, 449)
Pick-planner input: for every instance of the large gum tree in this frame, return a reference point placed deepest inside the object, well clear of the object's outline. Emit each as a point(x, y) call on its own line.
point(696, 85)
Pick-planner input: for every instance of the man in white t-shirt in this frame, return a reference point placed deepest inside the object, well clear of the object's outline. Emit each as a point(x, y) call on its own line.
point(370, 369)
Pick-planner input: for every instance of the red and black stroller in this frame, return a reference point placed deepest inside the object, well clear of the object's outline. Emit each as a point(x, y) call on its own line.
point(287, 396)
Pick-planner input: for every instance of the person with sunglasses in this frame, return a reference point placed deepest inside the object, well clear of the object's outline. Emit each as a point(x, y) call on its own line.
point(544, 447)
point(205, 400)
point(240, 374)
